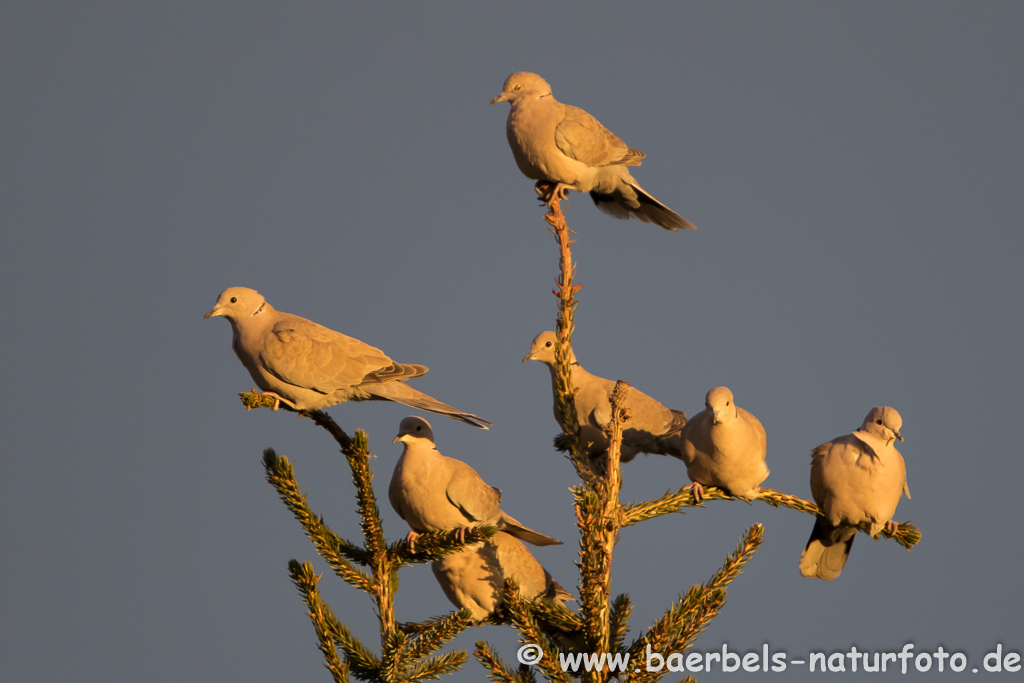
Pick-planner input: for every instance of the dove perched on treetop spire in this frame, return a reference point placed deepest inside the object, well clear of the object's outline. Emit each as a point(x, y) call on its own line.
point(855, 478)
point(651, 428)
point(564, 146)
point(307, 366)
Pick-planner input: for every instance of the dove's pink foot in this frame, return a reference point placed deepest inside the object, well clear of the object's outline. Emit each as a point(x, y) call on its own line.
point(410, 538)
point(551, 192)
point(278, 400)
point(698, 491)
point(891, 525)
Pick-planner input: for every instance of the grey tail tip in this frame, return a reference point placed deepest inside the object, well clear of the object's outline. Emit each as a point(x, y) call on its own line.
point(650, 210)
point(477, 422)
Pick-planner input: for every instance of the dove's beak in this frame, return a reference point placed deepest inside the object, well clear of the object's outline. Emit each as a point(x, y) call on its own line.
point(717, 417)
point(213, 312)
point(500, 98)
point(898, 435)
point(528, 356)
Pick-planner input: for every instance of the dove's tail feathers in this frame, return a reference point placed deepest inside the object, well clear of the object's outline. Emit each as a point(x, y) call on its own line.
point(555, 592)
point(399, 392)
point(826, 551)
point(530, 536)
point(647, 209)
point(670, 443)
point(568, 640)
point(524, 533)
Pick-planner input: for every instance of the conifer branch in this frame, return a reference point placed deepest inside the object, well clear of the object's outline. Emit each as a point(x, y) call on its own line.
point(497, 669)
point(331, 633)
point(688, 617)
point(523, 618)
point(611, 514)
point(337, 552)
point(433, 545)
point(432, 669)
point(432, 635)
point(732, 568)
point(565, 290)
point(598, 517)
point(618, 622)
point(255, 399)
point(384, 564)
point(393, 664)
point(906, 534)
point(557, 616)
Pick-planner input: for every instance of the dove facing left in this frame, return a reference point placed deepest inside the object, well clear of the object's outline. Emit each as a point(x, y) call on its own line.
point(308, 366)
point(651, 428)
point(563, 146)
point(433, 492)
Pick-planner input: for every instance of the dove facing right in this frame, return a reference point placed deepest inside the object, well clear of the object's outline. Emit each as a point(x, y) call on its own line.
point(855, 478)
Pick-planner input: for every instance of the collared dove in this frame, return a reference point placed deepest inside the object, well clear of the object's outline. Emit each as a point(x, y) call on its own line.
point(651, 428)
point(562, 145)
point(433, 492)
point(307, 366)
point(855, 478)
point(725, 446)
point(473, 577)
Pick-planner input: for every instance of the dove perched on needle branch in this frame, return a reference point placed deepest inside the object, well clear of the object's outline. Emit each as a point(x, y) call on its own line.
point(307, 366)
point(651, 427)
point(725, 446)
point(474, 577)
point(433, 492)
point(855, 478)
point(561, 145)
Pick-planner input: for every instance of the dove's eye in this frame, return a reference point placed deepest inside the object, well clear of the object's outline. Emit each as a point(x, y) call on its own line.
point(234, 299)
point(517, 87)
point(878, 422)
point(548, 344)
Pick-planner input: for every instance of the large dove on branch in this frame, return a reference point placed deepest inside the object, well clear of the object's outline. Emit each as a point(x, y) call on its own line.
point(307, 366)
point(563, 146)
point(433, 492)
point(855, 478)
point(725, 446)
point(651, 427)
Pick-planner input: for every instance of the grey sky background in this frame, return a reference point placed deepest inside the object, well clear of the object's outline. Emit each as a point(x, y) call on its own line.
point(855, 171)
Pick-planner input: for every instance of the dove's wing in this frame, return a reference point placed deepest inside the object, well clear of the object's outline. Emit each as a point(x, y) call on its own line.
point(582, 137)
point(471, 494)
point(309, 355)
